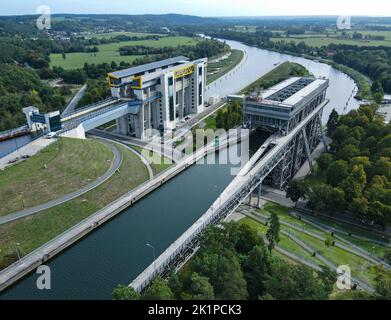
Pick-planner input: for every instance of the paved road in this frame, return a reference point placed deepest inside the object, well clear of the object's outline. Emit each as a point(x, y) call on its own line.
point(55, 202)
point(310, 250)
point(143, 159)
point(29, 149)
point(278, 196)
point(342, 244)
point(164, 150)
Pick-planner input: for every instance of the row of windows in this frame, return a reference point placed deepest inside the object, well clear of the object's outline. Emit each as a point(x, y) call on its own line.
point(280, 110)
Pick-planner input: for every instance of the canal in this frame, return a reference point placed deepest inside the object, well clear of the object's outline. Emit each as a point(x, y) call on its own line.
point(11, 145)
point(116, 252)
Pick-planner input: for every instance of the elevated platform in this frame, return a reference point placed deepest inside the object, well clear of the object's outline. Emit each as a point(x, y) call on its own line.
point(77, 124)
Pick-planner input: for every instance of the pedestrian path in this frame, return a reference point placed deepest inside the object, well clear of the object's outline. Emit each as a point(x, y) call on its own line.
point(70, 196)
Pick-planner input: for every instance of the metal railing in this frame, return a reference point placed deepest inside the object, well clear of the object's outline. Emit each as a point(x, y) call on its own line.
point(90, 106)
point(11, 132)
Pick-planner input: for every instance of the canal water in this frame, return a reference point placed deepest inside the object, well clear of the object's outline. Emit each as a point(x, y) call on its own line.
point(116, 253)
point(258, 62)
point(11, 145)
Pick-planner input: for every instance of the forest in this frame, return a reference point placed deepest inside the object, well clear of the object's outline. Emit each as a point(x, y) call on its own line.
point(24, 62)
point(375, 62)
point(355, 176)
point(235, 263)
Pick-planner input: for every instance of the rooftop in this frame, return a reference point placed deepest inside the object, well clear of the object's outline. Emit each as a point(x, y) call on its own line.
point(149, 66)
point(291, 91)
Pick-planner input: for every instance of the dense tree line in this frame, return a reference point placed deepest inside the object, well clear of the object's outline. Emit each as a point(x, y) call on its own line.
point(234, 263)
point(375, 62)
point(231, 117)
point(357, 170)
point(96, 90)
point(205, 48)
point(21, 87)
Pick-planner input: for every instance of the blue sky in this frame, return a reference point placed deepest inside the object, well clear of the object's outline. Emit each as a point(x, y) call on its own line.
point(204, 7)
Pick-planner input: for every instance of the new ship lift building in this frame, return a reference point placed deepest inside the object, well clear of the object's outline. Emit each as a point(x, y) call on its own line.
point(162, 92)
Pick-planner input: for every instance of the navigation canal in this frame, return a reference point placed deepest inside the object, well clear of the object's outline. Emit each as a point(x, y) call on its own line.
point(116, 252)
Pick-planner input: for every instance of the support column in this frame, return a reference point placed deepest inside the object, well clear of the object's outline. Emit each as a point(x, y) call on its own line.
point(149, 116)
point(122, 125)
point(249, 198)
point(322, 132)
point(142, 126)
point(259, 195)
point(307, 151)
point(182, 104)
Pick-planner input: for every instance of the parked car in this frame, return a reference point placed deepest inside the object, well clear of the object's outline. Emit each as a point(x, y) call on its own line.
point(51, 135)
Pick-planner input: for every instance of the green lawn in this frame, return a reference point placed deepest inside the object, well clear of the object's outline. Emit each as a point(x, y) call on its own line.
point(360, 268)
point(160, 164)
point(278, 74)
point(70, 165)
point(218, 69)
point(110, 52)
point(34, 231)
point(284, 243)
point(370, 247)
point(364, 83)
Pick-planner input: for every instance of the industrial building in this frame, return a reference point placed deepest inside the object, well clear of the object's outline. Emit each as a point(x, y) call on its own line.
point(156, 95)
point(163, 93)
point(279, 110)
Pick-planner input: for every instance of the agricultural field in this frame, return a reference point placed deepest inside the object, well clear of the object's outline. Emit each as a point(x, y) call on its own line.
point(109, 35)
point(110, 52)
point(336, 37)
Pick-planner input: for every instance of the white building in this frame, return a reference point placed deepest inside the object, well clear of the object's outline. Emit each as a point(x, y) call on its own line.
point(164, 91)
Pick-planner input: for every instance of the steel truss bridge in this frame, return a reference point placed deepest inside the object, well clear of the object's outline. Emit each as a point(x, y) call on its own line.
point(276, 157)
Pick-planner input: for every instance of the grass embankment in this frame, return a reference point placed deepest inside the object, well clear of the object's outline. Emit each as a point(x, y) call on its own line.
point(360, 268)
point(278, 74)
point(222, 67)
point(33, 231)
point(160, 162)
point(364, 84)
point(285, 242)
point(110, 52)
point(63, 167)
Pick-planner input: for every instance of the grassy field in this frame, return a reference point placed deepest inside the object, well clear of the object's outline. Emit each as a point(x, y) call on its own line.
point(110, 52)
point(278, 74)
point(70, 165)
point(363, 82)
point(361, 268)
point(285, 242)
point(319, 40)
point(218, 69)
point(163, 162)
point(32, 232)
point(125, 33)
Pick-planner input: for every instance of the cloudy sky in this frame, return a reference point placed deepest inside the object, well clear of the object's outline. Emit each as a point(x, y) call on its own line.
point(204, 7)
